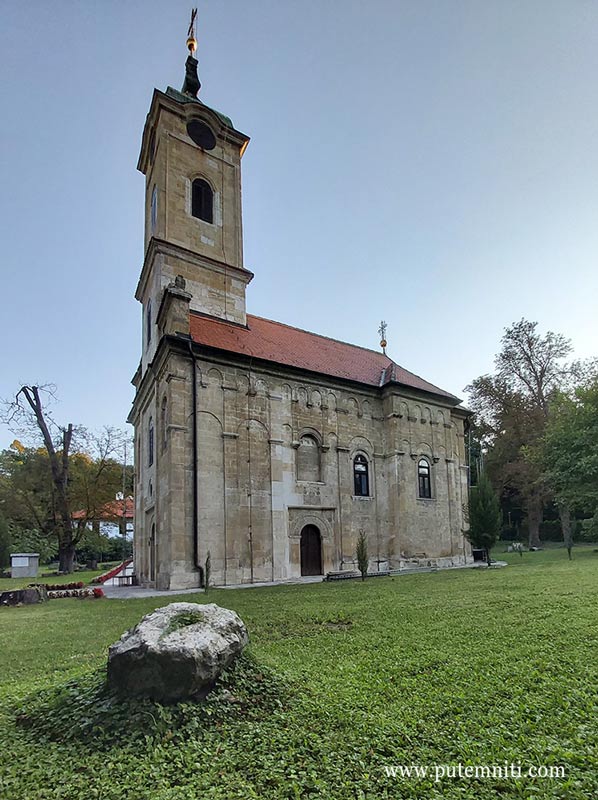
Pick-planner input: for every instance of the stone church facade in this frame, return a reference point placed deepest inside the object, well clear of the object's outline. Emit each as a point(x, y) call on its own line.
point(267, 446)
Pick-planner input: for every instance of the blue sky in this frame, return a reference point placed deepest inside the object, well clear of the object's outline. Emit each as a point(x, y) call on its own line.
point(434, 164)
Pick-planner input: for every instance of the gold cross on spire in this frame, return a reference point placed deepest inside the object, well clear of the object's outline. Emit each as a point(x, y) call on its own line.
point(382, 333)
point(191, 40)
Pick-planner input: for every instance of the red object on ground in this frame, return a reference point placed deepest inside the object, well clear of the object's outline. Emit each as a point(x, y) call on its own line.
point(112, 572)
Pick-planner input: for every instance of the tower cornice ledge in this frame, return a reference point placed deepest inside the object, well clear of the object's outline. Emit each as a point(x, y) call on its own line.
point(160, 247)
point(186, 107)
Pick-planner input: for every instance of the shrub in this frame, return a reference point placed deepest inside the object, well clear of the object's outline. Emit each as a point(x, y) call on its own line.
point(208, 571)
point(362, 555)
point(484, 516)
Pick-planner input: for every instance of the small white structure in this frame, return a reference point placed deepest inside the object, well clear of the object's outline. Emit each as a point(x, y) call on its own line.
point(24, 565)
point(123, 576)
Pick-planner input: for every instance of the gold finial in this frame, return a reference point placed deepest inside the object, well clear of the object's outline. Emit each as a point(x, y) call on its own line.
point(191, 40)
point(192, 84)
point(382, 333)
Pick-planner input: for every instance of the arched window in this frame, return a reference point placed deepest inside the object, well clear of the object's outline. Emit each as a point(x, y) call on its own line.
point(154, 210)
point(150, 442)
point(137, 455)
point(152, 146)
point(423, 478)
point(202, 200)
point(152, 553)
point(148, 322)
point(308, 459)
point(361, 479)
point(163, 415)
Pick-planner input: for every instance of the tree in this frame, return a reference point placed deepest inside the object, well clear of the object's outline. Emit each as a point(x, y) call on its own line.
point(73, 470)
point(58, 461)
point(568, 454)
point(484, 516)
point(98, 546)
point(511, 410)
point(23, 540)
point(361, 553)
point(5, 543)
point(532, 364)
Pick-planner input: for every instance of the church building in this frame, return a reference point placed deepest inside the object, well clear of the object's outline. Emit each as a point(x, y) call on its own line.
point(269, 447)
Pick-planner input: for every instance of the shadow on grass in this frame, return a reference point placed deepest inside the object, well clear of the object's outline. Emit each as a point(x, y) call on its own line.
point(86, 710)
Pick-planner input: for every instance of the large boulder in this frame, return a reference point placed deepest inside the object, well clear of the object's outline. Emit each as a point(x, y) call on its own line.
point(175, 652)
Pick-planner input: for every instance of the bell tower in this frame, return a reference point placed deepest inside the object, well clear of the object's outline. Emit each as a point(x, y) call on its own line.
point(191, 159)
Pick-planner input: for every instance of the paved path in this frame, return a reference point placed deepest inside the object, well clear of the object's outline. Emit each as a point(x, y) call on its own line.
point(128, 592)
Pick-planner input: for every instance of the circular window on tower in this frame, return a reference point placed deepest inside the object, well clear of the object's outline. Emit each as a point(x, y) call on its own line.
point(201, 134)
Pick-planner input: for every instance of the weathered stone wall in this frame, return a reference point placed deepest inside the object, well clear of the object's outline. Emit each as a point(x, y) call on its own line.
point(251, 505)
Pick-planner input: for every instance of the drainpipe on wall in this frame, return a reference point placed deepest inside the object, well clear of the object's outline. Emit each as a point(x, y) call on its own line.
point(196, 561)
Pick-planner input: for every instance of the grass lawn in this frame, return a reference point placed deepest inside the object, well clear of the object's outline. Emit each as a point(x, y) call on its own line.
point(85, 575)
point(470, 667)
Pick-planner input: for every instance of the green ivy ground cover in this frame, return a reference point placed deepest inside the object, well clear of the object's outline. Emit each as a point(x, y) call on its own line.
point(469, 667)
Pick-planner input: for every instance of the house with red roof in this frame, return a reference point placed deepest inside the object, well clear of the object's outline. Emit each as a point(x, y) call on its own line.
point(269, 448)
point(119, 513)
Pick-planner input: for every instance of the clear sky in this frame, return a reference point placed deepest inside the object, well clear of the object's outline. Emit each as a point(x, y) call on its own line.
point(432, 163)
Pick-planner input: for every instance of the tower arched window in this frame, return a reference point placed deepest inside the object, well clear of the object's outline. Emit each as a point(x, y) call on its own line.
point(308, 459)
point(148, 322)
point(163, 422)
point(423, 478)
point(361, 478)
point(202, 200)
point(152, 146)
point(154, 210)
point(150, 442)
point(138, 438)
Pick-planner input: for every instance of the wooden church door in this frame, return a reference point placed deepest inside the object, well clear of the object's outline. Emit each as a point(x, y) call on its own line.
point(311, 551)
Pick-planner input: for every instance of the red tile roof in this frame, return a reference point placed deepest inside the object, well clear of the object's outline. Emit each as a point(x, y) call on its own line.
point(111, 510)
point(293, 347)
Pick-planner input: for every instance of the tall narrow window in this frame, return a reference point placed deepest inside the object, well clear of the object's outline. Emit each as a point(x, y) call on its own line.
point(154, 210)
point(150, 442)
point(163, 415)
point(148, 322)
point(423, 477)
point(152, 553)
point(308, 459)
point(361, 476)
point(202, 200)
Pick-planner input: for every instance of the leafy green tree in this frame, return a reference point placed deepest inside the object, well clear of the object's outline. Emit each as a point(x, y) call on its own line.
point(568, 455)
point(361, 553)
point(511, 410)
point(67, 470)
point(485, 518)
point(5, 543)
point(95, 545)
point(32, 541)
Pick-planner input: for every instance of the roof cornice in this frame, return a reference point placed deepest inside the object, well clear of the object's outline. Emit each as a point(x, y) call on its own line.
point(188, 108)
point(158, 247)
